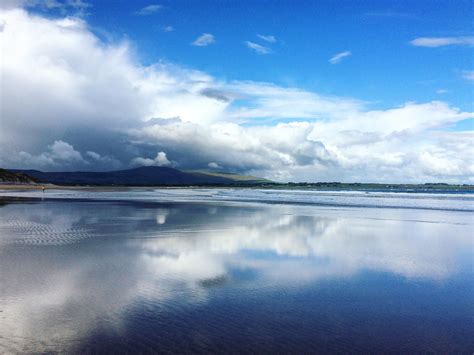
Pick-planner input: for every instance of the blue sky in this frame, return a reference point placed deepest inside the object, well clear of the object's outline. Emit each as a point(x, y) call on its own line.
point(289, 90)
point(383, 68)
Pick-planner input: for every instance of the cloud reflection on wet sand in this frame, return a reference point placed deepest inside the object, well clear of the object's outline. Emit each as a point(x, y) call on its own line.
point(71, 268)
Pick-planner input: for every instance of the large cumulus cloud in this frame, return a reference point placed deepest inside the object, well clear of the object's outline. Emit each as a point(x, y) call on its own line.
point(72, 101)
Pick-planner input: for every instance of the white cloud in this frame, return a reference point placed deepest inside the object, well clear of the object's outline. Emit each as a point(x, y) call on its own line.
point(468, 75)
point(339, 56)
point(441, 91)
point(159, 160)
point(168, 29)
point(149, 10)
point(257, 47)
point(93, 155)
point(65, 74)
point(103, 161)
point(204, 40)
point(64, 151)
point(384, 145)
point(268, 101)
point(59, 153)
point(267, 38)
point(11, 4)
point(442, 41)
point(213, 165)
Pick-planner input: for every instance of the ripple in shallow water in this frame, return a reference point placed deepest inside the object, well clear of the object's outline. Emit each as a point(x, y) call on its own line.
point(34, 233)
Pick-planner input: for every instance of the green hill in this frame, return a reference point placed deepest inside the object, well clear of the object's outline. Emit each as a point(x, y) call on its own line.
point(232, 176)
point(143, 176)
point(9, 177)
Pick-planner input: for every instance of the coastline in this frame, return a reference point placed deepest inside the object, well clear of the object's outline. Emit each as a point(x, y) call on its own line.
point(322, 187)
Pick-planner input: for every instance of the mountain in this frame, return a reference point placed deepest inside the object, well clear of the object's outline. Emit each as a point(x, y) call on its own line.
point(143, 176)
point(9, 177)
point(232, 176)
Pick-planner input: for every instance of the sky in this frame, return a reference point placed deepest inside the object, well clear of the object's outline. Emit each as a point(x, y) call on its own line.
point(368, 91)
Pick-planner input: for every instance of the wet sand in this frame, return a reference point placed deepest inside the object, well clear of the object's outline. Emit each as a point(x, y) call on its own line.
point(89, 275)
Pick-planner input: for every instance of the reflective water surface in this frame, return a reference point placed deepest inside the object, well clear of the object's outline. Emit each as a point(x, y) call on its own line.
point(128, 276)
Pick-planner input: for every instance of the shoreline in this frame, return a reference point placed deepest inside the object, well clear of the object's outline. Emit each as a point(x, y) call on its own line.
point(460, 202)
point(368, 188)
